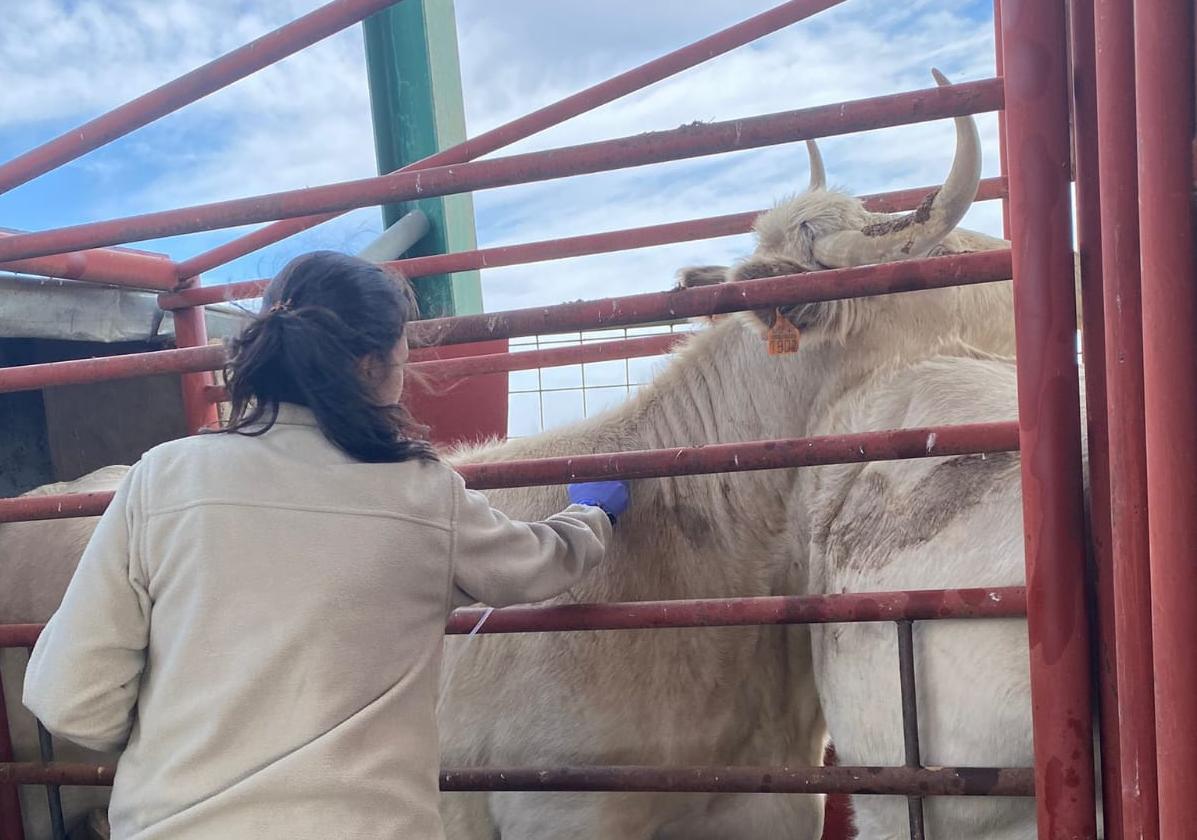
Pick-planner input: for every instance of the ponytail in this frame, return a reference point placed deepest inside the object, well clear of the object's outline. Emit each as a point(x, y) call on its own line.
point(323, 315)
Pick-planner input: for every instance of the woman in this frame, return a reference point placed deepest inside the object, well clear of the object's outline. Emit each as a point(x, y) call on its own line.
point(258, 617)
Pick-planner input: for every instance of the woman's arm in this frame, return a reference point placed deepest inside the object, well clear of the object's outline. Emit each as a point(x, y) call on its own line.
point(84, 673)
point(499, 561)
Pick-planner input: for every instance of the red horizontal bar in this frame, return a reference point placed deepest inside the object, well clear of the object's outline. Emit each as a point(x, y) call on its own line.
point(56, 773)
point(558, 112)
point(19, 635)
point(50, 374)
point(64, 506)
point(651, 147)
point(231, 67)
point(928, 442)
point(113, 266)
point(885, 781)
point(575, 246)
point(213, 357)
point(632, 348)
point(577, 354)
point(909, 275)
point(932, 441)
point(837, 284)
point(912, 605)
point(642, 237)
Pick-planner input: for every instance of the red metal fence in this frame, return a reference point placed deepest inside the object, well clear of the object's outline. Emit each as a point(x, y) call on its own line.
point(1135, 221)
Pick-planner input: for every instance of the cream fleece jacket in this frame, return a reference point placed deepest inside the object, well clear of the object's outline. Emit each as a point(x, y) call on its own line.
point(258, 622)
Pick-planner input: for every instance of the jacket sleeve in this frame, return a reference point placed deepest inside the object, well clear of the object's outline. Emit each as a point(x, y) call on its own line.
point(498, 561)
point(83, 676)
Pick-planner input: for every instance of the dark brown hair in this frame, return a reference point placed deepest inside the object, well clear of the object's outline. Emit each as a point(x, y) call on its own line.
point(321, 316)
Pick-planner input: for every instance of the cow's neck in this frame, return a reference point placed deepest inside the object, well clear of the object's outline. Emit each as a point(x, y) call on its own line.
point(725, 388)
point(722, 387)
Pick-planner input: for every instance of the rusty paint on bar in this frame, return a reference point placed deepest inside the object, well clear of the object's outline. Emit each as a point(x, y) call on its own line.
point(884, 781)
point(740, 457)
point(929, 442)
point(1132, 782)
point(558, 112)
point(56, 773)
point(638, 150)
point(913, 605)
point(1034, 38)
point(576, 246)
point(837, 284)
point(65, 506)
point(651, 307)
point(79, 371)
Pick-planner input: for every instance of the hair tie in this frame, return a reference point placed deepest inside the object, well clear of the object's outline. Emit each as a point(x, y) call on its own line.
point(281, 306)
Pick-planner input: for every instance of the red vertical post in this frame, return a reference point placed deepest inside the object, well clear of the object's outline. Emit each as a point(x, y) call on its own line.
point(1164, 93)
point(1034, 40)
point(999, 66)
point(191, 330)
point(1090, 253)
point(11, 826)
point(1128, 463)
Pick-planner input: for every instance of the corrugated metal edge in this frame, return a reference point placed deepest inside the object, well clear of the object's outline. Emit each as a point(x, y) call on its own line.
point(68, 310)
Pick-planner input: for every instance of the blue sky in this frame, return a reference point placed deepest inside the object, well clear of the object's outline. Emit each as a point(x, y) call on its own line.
point(306, 121)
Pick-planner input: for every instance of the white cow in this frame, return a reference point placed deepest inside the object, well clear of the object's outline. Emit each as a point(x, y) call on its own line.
point(636, 697)
point(711, 696)
point(934, 523)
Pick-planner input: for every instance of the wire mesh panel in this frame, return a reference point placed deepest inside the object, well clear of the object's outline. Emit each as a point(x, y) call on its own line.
point(546, 398)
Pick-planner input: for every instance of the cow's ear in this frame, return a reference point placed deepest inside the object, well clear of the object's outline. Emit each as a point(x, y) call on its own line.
point(758, 268)
point(694, 276)
point(701, 275)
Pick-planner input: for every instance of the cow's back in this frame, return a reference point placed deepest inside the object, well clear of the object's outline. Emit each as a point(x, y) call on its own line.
point(37, 560)
point(933, 523)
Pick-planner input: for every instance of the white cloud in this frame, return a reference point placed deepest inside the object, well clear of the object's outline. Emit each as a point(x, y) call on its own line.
point(814, 62)
point(72, 60)
point(306, 121)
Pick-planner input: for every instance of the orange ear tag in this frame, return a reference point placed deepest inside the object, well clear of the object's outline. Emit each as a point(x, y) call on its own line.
point(783, 336)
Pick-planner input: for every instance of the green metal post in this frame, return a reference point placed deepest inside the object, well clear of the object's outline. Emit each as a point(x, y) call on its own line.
point(416, 103)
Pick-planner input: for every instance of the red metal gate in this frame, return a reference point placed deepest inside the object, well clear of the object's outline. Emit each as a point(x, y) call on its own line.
point(1135, 242)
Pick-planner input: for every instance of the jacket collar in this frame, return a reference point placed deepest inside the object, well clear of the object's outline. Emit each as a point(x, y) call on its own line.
point(290, 414)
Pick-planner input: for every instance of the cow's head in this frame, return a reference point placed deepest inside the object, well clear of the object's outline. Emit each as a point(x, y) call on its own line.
point(824, 229)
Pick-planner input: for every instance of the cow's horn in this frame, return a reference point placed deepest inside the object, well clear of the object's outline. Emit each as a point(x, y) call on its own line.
point(818, 175)
point(915, 234)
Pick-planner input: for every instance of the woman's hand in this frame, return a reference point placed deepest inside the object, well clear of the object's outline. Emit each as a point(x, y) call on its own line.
point(610, 496)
